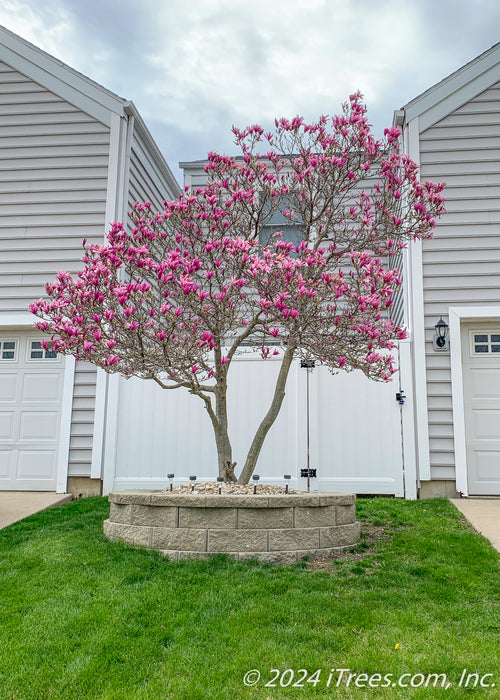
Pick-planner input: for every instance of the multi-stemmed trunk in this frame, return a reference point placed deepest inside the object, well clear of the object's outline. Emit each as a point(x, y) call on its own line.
point(220, 425)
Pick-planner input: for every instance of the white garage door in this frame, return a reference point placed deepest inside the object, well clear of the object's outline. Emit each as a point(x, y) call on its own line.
point(31, 384)
point(481, 368)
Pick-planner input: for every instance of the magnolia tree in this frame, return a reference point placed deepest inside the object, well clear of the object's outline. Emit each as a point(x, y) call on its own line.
point(176, 297)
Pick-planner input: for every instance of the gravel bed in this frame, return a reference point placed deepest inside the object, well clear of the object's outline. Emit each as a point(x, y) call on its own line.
point(244, 490)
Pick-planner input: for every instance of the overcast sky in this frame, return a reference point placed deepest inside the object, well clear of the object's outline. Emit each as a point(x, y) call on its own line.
point(195, 67)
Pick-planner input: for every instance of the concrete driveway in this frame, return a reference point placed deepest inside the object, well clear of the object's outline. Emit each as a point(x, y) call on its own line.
point(16, 505)
point(484, 516)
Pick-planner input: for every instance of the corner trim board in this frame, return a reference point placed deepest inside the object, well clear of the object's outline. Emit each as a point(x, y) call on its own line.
point(65, 432)
point(417, 318)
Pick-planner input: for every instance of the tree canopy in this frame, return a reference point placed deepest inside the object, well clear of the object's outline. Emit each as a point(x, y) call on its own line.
point(176, 295)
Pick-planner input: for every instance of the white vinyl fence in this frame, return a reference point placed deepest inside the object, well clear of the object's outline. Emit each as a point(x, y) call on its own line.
point(355, 431)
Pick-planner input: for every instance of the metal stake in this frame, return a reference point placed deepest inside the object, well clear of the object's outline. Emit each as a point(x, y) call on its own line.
point(308, 366)
point(307, 421)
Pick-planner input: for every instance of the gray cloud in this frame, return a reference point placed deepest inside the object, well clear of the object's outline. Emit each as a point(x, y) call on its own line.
point(193, 68)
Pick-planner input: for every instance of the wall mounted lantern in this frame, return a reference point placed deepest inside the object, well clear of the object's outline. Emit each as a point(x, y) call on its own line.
point(441, 341)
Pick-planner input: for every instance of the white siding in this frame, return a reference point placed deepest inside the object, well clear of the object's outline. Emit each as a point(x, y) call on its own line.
point(398, 311)
point(462, 262)
point(147, 180)
point(53, 184)
point(82, 419)
point(194, 173)
point(53, 179)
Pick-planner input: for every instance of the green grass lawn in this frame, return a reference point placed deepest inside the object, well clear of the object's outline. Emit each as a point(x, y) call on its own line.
point(81, 617)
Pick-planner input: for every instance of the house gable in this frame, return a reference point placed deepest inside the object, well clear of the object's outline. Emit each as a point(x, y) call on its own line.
point(59, 78)
point(456, 90)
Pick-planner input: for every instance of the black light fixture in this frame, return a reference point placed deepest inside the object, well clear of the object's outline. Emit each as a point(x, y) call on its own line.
point(256, 478)
point(441, 333)
point(287, 478)
point(192, 479)
point(170, 478)
point(220, 480)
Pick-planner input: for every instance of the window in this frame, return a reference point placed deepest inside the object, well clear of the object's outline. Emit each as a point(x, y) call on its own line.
point(485, 342)
point(36, 352)
point(278, 222)
point(8, 350)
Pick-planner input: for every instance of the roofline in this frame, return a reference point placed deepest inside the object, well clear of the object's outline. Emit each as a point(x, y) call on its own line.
point(455, 90)
point(185, 164)
point(48, 70)
point(78, 89)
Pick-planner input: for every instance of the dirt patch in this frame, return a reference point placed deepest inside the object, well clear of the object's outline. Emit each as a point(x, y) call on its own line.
point(370, 535)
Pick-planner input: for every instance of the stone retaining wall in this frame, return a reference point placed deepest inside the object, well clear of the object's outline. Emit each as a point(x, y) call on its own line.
point(272, 528)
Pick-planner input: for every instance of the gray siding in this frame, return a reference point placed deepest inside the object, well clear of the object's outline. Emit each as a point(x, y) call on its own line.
point(398, 309)
point(53, 186)
point(194, 173)
point(82, 419)
point(462, 262)
point(147, 182)
point(53, 180)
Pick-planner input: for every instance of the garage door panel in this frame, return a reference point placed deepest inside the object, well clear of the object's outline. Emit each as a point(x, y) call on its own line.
point(42, 387)
point(5, 464)
point(487, 465)
point(8, 386)
point(7, 425)
point(486, 424)
point(36, 464)
point(38, 425)
point(486, 382)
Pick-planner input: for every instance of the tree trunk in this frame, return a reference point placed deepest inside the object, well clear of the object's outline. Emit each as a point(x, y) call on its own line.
point(224, 449)
point(269, 418)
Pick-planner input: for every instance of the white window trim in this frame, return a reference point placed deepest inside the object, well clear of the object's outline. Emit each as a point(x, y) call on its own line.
point(457, 315)
point(6, 360)
point(488, 342)
point(35, 360)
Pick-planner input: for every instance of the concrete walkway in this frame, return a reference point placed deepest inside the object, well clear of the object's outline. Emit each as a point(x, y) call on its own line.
point(484, 516)
point(16, 505)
